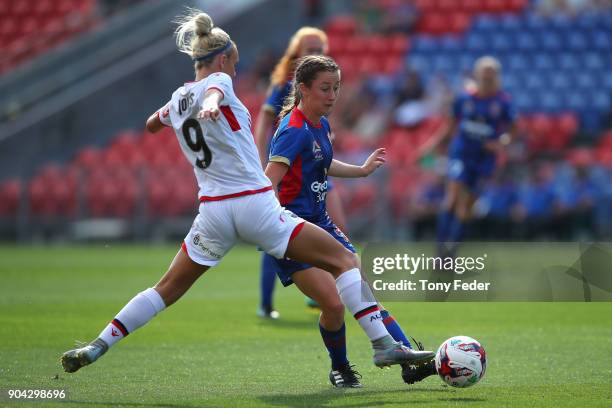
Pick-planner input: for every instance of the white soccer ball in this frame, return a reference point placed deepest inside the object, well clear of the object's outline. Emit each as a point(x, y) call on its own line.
point(461, 361)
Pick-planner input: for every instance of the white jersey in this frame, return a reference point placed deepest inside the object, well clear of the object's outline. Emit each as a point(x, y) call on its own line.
point(223, 152)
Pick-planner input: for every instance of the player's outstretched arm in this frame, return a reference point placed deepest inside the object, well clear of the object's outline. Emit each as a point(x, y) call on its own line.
point(345, 170)
point(265, 120)
point(210, 105)
point(154, 123)
point(275, 172)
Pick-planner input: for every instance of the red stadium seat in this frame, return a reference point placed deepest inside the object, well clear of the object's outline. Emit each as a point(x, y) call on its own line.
point(580, 156)
point(459, 22)
point(342, 25)
point(398, 44)
point(434, 23)
point(10, 197)
point(53, 192)
point(472, 6)
point(88, 159)
point(111, 193)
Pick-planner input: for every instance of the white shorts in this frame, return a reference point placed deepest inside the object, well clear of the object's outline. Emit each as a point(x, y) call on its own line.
point(257, 219)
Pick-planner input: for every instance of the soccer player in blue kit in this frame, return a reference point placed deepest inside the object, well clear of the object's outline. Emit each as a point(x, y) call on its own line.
point(482, 123)
point(306, 41)
point(301, 159)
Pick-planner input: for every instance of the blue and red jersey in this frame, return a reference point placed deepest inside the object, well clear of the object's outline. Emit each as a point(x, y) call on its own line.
point(479, 120)
point(306, 148)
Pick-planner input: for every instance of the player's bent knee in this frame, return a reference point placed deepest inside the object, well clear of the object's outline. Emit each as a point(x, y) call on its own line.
point(347, 260)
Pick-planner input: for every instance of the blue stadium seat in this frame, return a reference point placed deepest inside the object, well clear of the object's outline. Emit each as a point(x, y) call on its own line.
point(444, 62)
point(568, 61)
point(535, 81)
point(594, 61)
point(476, 42)
point(607, 80)
point(418, 62)
point(511, 23)
point(551, 41)
point(424, 44)
point(535, 22)
point(560, 22)
point(485, 23)
point(466, 62)
point(606, 20)
point(510, 81)
point(543, 62)
point(590, 120)
point(524, 101)
point(601, 40)
point(601, 101)
point(575, 101)
point(450, 43)
point(526, 41)
point(560, 81)
point(550, 102)
point(577, 41)
point(501, 42)
point(518, 61)
point(585, 80)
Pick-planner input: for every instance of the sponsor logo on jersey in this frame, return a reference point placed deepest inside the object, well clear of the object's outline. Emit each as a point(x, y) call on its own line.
point(196, 239)
point(316, 151)
point(477, 129)
point(320, 190)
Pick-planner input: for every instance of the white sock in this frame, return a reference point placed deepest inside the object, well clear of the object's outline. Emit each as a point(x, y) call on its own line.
point(142, 308)
point(359, 300)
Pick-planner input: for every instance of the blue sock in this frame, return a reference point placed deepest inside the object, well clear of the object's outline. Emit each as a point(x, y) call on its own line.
point(457, 230)
point(394, 328)
point(335, 342)
point(445, 220)
point(267, 280)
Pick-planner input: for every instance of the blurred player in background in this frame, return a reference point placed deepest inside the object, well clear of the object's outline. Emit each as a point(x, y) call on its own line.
point(306, 41)
point(482, 123)
point(236, 202)
point(301, 159)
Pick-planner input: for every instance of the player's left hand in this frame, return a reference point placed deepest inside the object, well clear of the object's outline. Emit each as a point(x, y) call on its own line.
point(376, 159)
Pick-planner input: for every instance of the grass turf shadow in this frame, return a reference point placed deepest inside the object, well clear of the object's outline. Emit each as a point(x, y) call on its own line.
point(327, 397)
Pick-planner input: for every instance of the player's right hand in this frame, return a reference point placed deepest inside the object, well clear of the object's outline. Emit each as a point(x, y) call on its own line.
point(209, 113)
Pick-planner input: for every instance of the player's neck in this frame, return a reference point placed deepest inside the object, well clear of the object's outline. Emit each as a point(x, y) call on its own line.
point(202, 73)
point(486, 92)
point(312, 117)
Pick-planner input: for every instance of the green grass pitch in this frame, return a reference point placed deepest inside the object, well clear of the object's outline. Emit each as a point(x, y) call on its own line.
point(211, 350)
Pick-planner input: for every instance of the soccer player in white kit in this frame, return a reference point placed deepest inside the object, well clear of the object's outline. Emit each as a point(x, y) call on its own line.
point(236, 201)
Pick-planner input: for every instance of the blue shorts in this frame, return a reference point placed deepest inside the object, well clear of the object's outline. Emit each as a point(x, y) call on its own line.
point(286, 267)
point(468, 172)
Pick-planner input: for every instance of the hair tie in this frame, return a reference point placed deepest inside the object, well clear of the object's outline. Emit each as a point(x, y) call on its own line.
point(215, 52)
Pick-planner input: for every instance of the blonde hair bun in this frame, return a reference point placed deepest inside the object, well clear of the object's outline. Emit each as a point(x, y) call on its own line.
point(203, 24)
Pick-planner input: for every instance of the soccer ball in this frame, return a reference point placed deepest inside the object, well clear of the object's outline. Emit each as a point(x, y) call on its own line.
point(461, 361)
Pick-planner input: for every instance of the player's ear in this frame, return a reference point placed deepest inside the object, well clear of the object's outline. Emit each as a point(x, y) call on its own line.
point(304, 90)
point(222, 61)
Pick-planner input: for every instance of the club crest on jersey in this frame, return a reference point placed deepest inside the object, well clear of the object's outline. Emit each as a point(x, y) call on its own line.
point(316, 151)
